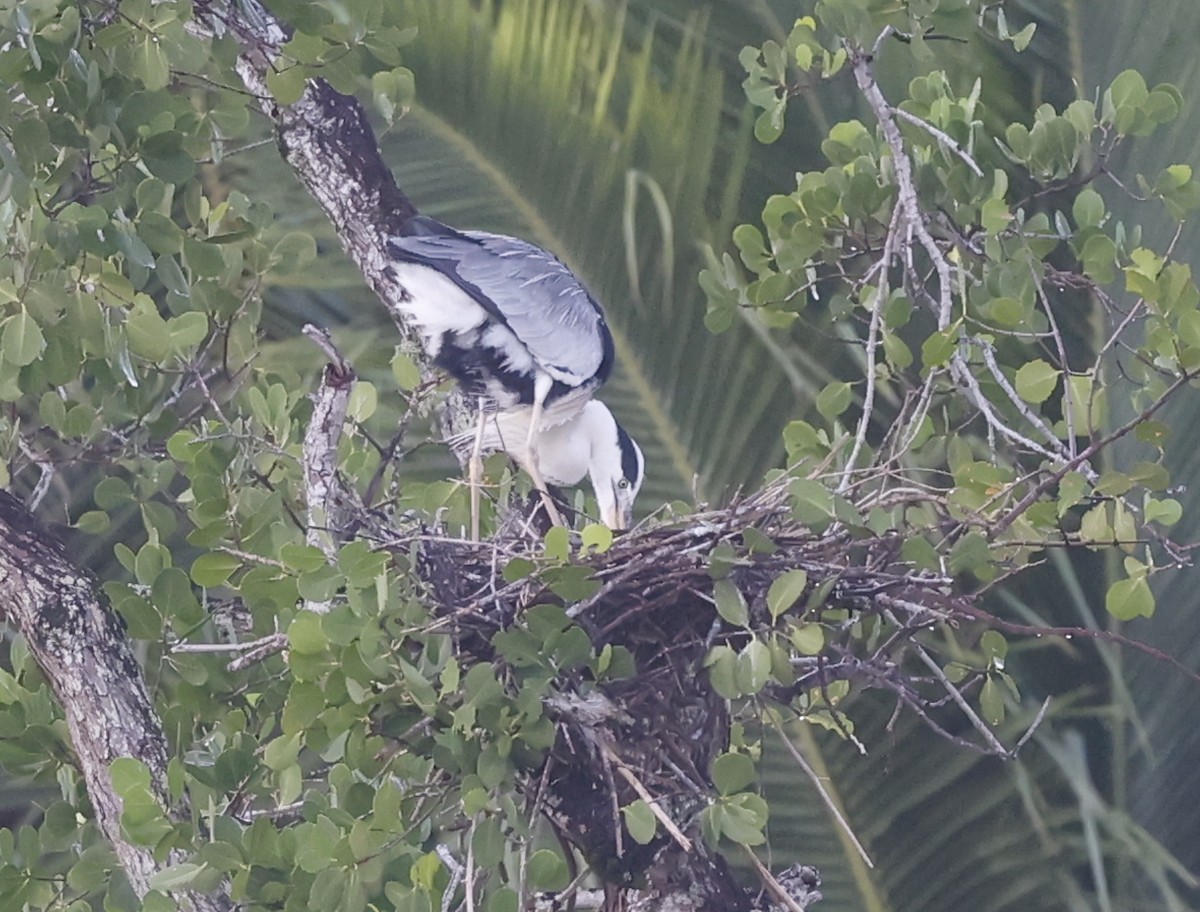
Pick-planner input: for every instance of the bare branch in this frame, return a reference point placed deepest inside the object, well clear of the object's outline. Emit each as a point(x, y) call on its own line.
point(322, 489)
point(941, 137)
point(836, 811)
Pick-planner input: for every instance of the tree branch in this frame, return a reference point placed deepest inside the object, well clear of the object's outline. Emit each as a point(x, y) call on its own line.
point(79, 643)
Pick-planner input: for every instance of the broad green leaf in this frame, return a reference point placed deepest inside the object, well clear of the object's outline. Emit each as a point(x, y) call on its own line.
point(176, 877)
point(287, 84)
point(733, 772)
point(596, 537)
point(21, 341)
point(214, 569)
point(305, 635)
point(640, 821)
point(148, 333)
point(785, 591)
point(1036, 381)
point(731, 605)
point(1130, 598)
point(150, 63)
point(547, 870)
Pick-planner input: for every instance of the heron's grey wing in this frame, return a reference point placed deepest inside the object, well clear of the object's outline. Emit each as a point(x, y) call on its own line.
point(529, 290)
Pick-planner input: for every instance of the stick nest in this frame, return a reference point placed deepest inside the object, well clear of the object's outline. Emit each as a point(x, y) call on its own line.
point(655, 598)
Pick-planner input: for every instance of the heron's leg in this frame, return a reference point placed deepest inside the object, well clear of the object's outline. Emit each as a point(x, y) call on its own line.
point(541, 389)
point(547, 500)
point(475, 472)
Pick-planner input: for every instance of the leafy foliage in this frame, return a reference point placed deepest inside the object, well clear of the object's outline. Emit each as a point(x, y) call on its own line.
point(1004, 276)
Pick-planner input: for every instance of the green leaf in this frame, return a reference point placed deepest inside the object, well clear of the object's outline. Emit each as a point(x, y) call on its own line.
point(558, 544)
point(518, 568)
point(504, 900)
point(301, 557)
point(809, 639)
point(172, 594)
point(405, 371)
point(547, 870)
point(993, 645)
point(176, 877)
point(812, 502)
point(753, 667)
point(994, 216)
point(640, 821)
point(282, 752)
point(769, 125)
point(938, 347)
point(722, 671)
point(1021, 39)
point(393, 91)
point(187, 330)
point(1129, 88)
point(1036, 380)
point(740, 818)
point(129, 774)
point(214, 569)
point(287, 84)
point(834, 399)
point(93, 522)
point(22, 341)
point(785, 591)
point(150, 64)
point(1130, 598)
point(596, 537)
point(991, 702)
point(305, 701)
point(364, 399)
point(148, 333)
point(732, 772)
point(730, 603)
point(1088, 208)
point(305, 635)
point(1007, 311)
point(1165, 512)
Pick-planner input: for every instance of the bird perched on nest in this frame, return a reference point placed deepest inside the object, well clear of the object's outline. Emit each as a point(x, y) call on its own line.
point(520, 333)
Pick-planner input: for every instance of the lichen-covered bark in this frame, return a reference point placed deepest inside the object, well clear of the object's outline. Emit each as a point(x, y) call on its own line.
point(80, 645)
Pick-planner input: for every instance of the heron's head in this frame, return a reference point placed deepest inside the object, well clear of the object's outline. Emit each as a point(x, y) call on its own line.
point(616, 467)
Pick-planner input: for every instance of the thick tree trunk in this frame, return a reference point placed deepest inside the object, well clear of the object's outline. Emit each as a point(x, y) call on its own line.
point(80, 645)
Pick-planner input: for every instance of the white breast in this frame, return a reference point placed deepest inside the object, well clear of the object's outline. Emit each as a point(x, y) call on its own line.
point(563, 446)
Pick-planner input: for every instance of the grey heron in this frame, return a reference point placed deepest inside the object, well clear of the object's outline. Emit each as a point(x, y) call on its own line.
point(520, 332)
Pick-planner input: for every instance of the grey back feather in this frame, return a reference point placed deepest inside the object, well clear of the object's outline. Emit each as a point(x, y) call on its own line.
point(534, 294)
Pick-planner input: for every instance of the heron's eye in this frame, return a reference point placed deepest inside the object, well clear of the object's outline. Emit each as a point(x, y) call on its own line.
point(623, 483)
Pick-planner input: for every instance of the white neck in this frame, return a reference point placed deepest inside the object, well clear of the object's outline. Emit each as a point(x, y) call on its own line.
point(569, 451)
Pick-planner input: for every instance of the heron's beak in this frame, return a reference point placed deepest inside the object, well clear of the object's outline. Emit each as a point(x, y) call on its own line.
point(618, 517)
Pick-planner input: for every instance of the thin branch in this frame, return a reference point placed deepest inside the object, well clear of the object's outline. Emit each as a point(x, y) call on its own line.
point(879, 301)
point(989, 358)
point(941, 137)
point(323, 492)
point(826, 798)
point(1056, 476)
point(906, 191)
point(956, 695)
point(651, 802)
point(1064, 364)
